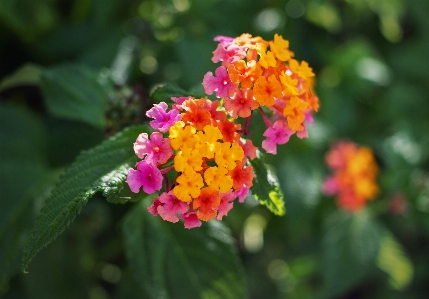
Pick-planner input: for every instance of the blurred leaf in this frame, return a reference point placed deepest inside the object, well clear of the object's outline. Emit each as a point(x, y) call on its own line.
point(56, 272)
point(73, 92)
point(165, 92)
point(103, 168)
point(393, 260)
point(266, 187)
point(170, 261)
point(350, 245)
point(29, 74)
point(26, 18)
point(22, 177)
point(67, 138)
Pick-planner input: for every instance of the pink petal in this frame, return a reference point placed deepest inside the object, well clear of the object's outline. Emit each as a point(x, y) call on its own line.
point(191, 220)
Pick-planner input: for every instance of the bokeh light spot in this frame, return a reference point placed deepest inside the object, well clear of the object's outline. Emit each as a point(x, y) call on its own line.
point(295, 8)
point(270, 19)
point(373, 70)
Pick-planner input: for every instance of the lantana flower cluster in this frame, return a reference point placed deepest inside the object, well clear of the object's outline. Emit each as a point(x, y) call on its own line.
point(354, 175)
point(198, 153)
point(263, 75)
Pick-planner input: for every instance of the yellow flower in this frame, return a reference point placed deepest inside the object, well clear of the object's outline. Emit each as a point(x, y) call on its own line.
point(289, 85)
point(189, 186)
point(181, 137)
point(280, 48)
point(226, 155)
point(267, 59)
point(218, 178)
point(188, 159)
point(208, 140)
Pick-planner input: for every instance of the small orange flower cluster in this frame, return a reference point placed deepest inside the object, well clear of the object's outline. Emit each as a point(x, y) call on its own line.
point(262, 73)
point(354, 175)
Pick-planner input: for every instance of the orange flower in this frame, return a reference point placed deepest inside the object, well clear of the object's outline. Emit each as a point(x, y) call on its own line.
point(266, 90)
point(207, 204)
point(294, 113)
point(245, 74)
point(228, 130)
point(242, 176)
point(195, 114)
point(302, 70)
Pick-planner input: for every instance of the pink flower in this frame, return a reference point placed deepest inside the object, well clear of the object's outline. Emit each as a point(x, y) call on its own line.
point(157, 150)
point(153, 208)
point(330, 186)
point(225, 204)
point(162, 120)
point(170, 206)
point(248, 148)
point(191, 220)
point(147, 176)
point(242, 193)
point(221, 83)
point(279, 133)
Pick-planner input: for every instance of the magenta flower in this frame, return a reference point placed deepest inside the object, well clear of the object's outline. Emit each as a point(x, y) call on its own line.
point(279, 133)
point(170, 206)
point(330, 186)
point(191, 220)
point(242, 193)
point(162, 120)
point(221, 83)
point(157, 150)
point(225, 204)
point(147, 176)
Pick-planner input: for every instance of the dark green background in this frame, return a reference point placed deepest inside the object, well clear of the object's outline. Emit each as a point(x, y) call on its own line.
point(372, 69)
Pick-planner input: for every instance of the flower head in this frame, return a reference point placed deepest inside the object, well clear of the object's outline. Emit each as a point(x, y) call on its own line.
point(354, 175)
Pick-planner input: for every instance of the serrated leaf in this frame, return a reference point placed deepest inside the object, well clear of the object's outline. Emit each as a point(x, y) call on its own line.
point(170, 261)
point(73, 92)
point(266, 187)
point(165, 92)
point(28, 75)
point(349, 247)
point(393, 260)
point(103, 168)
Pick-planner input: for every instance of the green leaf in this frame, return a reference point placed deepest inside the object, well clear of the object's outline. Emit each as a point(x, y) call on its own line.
point(103, 168)
point(164, 93)
point(393, 260)
point(349, 248)
point(266, 187)
point(27, 75)
point(169, 261)
point(73, 92)
point(23, 176)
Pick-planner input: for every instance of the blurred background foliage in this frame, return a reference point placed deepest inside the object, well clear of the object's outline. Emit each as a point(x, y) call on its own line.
point(75, 71)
